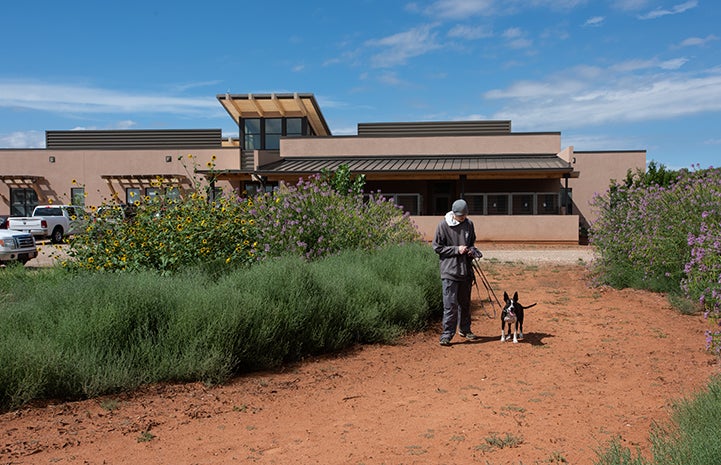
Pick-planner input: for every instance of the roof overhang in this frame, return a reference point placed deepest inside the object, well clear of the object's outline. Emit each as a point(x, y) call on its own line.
point(276, 106)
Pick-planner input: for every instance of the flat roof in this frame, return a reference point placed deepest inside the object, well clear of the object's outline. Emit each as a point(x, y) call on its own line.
point(274, 105)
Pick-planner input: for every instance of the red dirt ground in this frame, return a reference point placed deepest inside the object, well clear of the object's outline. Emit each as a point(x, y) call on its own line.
point(596, 364)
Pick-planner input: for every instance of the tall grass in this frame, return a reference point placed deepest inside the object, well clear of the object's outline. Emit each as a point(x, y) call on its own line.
point(691, 438)
point(75, 335)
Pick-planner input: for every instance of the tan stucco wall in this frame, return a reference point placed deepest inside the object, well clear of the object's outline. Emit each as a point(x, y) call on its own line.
point(525, 228)
point(596, 170)
point(458, 145)
point(86, 167)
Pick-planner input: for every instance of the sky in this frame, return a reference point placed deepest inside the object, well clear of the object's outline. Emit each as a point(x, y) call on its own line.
point(607, 75)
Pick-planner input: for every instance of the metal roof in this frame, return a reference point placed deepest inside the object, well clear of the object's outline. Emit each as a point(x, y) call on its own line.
point(405, 164)
point(276, 106)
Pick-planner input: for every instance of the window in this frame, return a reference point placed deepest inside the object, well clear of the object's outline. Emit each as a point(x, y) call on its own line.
point(251, 134)
point(547, 204)
point(132, 195)
point(23, 201)
point(475, 204)
point(294, 126)
point(497, 204)
point(265, 133)
point(522, 204)
point(172, 194)
point(411, 203)
point(273, 131)
point(77, 196)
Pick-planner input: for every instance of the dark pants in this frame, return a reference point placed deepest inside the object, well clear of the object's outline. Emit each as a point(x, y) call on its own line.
point(456, 307)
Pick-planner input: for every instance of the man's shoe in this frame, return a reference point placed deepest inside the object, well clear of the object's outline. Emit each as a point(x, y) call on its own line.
point(469, 336)
point(445, 342)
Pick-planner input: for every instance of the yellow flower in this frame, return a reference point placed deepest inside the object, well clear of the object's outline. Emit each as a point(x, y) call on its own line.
point(73, 182)
point(91, 260)
point(227, 260)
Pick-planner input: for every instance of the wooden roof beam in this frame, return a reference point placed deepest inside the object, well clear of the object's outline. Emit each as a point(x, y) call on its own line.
point(278, 104)
point(256, 105)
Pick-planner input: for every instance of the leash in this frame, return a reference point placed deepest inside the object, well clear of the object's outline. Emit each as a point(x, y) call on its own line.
point(487, 285)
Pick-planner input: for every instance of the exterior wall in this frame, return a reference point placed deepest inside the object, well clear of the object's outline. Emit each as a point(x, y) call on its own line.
point(596, 171)
point(524, 228)
point(84, 168)
point(519, 143)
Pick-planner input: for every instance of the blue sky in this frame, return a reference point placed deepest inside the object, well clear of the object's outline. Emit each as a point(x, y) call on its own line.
point(609, 75)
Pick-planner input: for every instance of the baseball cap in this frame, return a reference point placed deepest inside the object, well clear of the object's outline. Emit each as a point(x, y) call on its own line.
point(460, 207)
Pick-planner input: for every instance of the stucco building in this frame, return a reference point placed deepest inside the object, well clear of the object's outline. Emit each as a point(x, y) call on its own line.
point(519, 186)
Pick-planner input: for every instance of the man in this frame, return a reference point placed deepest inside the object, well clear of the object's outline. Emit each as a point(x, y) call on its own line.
point(454, 243)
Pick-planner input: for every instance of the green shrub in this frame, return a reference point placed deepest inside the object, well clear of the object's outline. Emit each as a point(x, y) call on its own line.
point(691, 438)
point(108, 332)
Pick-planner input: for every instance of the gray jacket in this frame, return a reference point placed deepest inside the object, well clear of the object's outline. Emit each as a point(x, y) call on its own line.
point(449, 235)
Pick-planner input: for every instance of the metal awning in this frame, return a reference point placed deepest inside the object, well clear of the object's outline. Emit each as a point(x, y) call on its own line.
point(420, 164)
point(276, 106)
point(414, 167)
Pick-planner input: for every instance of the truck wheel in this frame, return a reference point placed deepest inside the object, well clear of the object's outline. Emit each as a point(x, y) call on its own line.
point(57, 236)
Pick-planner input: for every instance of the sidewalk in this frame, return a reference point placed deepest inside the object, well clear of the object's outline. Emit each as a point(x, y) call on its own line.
point(537, 253)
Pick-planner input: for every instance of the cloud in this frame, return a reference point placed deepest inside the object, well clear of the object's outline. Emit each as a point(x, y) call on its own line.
point(516, 38)
point(470, 33)
point(23, 139)
point(595, 21)
point(637, 65)
point(698, 41)
point(676, 9)
point(460, 9)
point(630, 5)
point(463, 9)
point(74, 99)
point(609, 98)
point(398, 48)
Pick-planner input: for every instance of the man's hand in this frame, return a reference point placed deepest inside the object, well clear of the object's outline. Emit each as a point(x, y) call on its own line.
point(462, 249)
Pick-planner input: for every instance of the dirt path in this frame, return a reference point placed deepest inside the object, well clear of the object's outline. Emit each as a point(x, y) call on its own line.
point(595, 364)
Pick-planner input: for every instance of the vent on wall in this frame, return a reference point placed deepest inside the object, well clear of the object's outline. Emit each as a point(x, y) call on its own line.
point(134, 139)
point(433, 128)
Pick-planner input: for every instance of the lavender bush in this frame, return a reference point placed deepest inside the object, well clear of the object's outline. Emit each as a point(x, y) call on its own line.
point(664, 238)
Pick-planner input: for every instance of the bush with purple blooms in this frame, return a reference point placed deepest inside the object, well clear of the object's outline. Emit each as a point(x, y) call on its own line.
point(664, 238)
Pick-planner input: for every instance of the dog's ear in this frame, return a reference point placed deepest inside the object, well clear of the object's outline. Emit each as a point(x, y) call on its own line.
point(505, 295)
point(515, 297)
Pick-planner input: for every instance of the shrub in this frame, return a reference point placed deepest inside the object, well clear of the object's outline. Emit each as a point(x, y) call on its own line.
point(310, 219)
point(664, 238)
point(109, 332)
point(691, 438)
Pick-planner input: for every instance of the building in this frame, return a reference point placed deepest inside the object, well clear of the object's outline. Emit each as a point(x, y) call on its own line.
point(519, 186)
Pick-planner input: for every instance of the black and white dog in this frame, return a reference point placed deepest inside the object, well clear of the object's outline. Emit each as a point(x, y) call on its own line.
point(513, 315)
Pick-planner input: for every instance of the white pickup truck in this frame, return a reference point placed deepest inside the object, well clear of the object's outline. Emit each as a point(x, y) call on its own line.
point(16, 246)
point(53, 221)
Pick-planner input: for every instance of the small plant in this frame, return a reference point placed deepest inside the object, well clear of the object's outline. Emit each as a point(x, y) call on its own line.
point(502, 442)
point(146, 436)
point(110, 404)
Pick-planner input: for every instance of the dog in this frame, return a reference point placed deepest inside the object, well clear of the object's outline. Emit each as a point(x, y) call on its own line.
point(513, 313)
